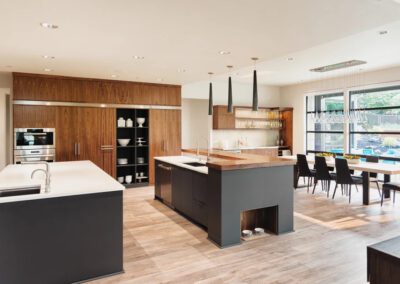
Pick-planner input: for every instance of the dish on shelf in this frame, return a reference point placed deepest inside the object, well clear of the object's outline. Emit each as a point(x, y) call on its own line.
point(259, 231)
point(121, 179)
point(121, 122)
point(143, 177)
point(124, 142)
point(128, 179)
point(140, 121)
point(247, 233)
point(122, 161)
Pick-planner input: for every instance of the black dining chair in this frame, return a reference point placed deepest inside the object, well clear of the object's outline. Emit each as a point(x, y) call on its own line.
point(344, 177)
point(304, 170)
point(373, 177)
point(395, 186)
point(322, 174)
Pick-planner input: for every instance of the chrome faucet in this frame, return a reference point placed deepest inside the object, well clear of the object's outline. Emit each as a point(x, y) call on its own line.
point(208, 149)
point(46, 171)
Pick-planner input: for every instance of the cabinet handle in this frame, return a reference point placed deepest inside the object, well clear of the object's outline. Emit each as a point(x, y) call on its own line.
point(79, 149)
point(164, 167)
point(107, 147)
point(75, 150)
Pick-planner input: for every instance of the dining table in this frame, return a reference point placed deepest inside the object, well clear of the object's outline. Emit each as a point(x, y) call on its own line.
point(365, 167)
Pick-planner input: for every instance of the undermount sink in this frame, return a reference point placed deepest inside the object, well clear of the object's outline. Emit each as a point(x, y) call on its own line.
point(195, 164)
point(19, 191)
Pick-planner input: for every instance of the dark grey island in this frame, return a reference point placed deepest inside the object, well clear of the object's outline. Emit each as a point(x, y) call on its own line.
point(228, 194)
point(70, 234)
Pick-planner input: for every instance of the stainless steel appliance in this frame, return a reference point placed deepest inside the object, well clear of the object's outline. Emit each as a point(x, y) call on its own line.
point(34, 144)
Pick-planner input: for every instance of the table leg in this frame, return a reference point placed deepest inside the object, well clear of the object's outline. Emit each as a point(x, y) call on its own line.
point(386, 193)
point(365, 176)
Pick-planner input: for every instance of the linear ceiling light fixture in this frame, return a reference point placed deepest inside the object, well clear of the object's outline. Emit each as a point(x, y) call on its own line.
point(337, 66)
point(210, 96)
point(230, 100)
point(255, 92)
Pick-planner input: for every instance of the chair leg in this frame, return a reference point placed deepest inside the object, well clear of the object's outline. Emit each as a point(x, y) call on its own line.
point(329, 188)
point(394, 196)
point(349, 193)
point(304, 179)
point(308, 184)
point(334, 191)
point(356, 187)
point(382, 197)
point(315, 184)
point(341, 186)
point(379, 190)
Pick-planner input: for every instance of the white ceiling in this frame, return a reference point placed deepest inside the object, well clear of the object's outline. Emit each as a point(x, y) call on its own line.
point(98, 38)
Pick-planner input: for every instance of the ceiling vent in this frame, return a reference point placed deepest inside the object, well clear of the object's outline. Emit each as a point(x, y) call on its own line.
point(337, 66)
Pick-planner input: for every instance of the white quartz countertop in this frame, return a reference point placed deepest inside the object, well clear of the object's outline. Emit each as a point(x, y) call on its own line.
point(181, 160)
point(66, 179)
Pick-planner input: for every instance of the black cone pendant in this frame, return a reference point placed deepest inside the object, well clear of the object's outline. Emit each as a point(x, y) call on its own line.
point(230, 100)
point(255, 92)
point(210, 98)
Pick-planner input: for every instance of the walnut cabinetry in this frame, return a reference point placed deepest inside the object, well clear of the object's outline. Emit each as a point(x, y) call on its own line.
point(68, 89)
point(271, 152)
point(165, 135)
point(222, 119)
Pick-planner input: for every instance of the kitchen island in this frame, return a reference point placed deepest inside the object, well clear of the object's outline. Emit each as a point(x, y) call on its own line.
point(228, 193)
point(72, 233)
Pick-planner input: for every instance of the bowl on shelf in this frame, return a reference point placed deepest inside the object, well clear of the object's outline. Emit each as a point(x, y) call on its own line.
point(121, 179)
point(247, 233)
point(124, 142)
point(122, 161)
point(140, 121)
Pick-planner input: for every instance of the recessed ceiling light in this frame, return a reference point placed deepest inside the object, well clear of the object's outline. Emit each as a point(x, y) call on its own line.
point(290, 59)
point(47, 69)
point(224, 52)
point(48, 57)
point(114, 76)
point(48, 25)
point(383, 32)
point(138, 57)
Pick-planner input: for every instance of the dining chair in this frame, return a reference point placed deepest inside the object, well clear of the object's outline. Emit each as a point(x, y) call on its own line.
point(344, 177)
point(373, 177)
point(322, 174)
point(395, 186)
point(304, 170)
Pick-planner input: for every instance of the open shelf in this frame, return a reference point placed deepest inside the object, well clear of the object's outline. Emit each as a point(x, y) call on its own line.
point(133, 152)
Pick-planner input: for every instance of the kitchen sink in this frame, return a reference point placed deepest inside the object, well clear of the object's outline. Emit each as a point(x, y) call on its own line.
point(19, 191)
point(195, 164)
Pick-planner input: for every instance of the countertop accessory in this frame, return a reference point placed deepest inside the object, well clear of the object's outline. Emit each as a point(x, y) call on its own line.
point(124, 142)
point(247, 233)
point(121, 122)
point(121, 179)
point(122, 161)
point(129, 122)
point(259, 231)
point(140, 160)
point(142, 174)
point(140, 121)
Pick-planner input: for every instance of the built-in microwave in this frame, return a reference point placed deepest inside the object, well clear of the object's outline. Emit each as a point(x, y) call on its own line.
point(34, 138)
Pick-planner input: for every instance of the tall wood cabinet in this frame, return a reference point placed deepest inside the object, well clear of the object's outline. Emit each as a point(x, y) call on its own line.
point(165, 135)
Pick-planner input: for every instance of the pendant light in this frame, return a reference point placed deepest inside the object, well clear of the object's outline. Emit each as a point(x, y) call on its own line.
point(210, 97)
point(255, 92)
point(230, 103)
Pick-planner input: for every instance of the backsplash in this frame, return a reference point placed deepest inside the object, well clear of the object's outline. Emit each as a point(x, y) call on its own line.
point(229, 139)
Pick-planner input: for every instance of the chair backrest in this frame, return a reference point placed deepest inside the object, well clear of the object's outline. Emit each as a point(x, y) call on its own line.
point(343, 175)
point(302, 164)
point(322, 169)
point(373, 159)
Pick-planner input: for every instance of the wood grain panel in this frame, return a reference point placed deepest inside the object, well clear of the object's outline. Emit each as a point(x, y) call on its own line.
point(66, 133)
point(34, 116)
point(287, 131)
point(222, 119)
point(108, 138)
point(156, 138)
point(270, 152)
point(69, 89)
point(173, 132)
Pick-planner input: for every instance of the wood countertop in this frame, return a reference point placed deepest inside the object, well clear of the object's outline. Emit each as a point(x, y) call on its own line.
point(224, 161)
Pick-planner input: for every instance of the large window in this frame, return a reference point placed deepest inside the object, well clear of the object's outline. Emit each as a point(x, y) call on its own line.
point(323, 134)
point(378, 133)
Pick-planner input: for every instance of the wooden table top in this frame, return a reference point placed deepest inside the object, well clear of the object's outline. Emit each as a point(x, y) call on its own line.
point(381, 168)
point(222, 160)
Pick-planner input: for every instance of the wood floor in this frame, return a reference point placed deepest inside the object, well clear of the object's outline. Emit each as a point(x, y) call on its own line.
point(328, 245)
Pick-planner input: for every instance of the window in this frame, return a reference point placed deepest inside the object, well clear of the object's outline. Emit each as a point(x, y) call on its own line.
point(379, 131)
point(326, 136)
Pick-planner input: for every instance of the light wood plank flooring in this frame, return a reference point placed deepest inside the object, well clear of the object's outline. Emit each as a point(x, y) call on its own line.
point(328, 245)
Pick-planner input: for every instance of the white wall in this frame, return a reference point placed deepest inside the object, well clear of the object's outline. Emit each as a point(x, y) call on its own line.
point(5, 88)
point(196, 122)
point(294, 95)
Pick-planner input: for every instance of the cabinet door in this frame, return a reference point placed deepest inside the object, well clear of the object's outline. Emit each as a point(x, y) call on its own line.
point(108, 140)
point(199, 195)
point(173, 132)
point(89, 133)
point(34, 116)
point(66, 134)
point(156, 138)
